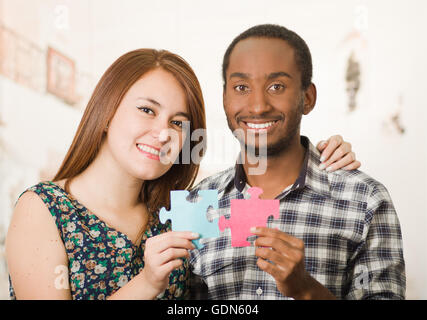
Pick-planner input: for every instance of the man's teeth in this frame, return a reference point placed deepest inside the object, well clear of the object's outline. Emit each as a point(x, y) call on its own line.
point(259, 125)
point(148, 149)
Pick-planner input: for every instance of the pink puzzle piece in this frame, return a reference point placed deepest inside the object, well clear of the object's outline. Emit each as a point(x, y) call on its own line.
point(248, 213)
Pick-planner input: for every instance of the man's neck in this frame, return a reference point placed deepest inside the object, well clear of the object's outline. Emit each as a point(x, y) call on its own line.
point(282, 170)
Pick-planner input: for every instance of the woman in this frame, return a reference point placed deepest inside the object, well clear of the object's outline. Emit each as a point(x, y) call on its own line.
point(105, 241)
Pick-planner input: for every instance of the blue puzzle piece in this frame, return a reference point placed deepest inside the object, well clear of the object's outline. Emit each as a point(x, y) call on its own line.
point(191, 216)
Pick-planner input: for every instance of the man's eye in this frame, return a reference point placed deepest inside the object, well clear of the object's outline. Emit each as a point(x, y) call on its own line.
point(146, 110)
point(277, 87)
point(241, 88)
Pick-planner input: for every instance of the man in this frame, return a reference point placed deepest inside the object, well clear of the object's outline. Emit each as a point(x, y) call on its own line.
point(338, 235)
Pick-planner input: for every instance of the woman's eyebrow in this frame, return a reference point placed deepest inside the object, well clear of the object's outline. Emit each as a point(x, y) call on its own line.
point(150, 100)
point(184, 114)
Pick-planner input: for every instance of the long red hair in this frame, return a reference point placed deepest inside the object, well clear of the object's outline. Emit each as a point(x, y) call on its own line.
point(108, 94)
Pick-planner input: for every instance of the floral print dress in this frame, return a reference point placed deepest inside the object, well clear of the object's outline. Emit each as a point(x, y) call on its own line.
point(101, 259)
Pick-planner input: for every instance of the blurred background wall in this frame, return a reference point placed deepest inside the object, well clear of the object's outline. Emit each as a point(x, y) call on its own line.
point(369, 69)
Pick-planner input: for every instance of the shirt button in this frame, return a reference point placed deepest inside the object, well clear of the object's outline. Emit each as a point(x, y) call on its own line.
point(259, 291)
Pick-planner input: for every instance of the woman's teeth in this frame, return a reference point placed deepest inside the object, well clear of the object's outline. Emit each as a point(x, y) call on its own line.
point(148, 149)
point(259, 125)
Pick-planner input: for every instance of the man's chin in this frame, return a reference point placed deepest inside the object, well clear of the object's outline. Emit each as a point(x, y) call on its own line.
point(260, 151)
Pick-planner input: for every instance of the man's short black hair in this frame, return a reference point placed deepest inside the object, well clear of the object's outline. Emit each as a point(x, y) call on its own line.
point(302, 53)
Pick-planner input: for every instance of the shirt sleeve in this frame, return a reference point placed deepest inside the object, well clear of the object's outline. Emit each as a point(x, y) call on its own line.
point(377, 270)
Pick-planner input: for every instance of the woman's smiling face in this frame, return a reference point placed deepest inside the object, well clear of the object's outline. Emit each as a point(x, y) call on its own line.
point(150, 117)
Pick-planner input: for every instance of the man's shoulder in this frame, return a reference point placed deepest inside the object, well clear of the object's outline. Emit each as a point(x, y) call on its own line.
point(342, 184)
point(355, 184)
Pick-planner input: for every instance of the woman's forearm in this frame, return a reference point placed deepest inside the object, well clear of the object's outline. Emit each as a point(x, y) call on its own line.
point(136, 289)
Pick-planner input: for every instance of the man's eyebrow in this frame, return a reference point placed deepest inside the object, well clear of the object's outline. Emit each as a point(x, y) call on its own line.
point(273, 75)
point(239, 75)
point(279, 74)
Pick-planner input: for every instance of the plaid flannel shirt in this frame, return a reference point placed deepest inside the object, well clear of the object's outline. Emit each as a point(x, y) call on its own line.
point(351, 234)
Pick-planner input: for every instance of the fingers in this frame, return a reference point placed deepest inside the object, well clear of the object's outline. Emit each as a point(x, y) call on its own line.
point(170, 266)
point(321, 145)
point(279, 271)
point(157, 276)
point(171, 254)
point(180, 234)
point(166, 247)
point(343, 162)
point(163, 254)
point(332, 144)
point(338, 155)
point(172, 239)
point(353, 166)
point(279, 254)
point(267, 237)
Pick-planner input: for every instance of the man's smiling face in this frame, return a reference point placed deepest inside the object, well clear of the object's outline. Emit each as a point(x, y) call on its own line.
point(263, 92)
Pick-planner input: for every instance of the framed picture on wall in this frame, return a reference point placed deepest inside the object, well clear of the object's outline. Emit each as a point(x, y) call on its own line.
point(61, 76)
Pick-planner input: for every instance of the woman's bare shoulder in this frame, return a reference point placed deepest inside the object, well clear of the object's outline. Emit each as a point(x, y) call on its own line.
point(31, 217)
point(34, 248)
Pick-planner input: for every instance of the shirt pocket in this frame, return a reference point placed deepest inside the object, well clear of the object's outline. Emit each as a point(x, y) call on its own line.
point(216, 267)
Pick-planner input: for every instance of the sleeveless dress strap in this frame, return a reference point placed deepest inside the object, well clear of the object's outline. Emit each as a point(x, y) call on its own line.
point(57, 202)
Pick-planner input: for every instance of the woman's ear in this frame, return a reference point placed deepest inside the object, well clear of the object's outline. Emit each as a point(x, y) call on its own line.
point(310, 96)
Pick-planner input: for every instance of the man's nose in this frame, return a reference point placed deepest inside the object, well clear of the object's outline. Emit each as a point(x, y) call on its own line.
point(258, 102)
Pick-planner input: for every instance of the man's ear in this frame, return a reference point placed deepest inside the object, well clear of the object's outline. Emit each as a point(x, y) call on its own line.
point(310, 96)
point(223, 96)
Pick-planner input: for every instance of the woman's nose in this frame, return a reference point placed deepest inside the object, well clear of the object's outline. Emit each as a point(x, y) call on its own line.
point(164, 136)
point(161, 131)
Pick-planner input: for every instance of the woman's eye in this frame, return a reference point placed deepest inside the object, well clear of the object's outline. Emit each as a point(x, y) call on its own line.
point(241, 88)
point(177, 123)
point(146, 110)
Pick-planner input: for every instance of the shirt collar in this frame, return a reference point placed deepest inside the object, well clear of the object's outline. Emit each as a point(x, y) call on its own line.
point(310, 175)
point(316, 179)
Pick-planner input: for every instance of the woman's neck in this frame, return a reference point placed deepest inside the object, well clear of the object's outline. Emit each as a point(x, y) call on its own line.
point(104, 184)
